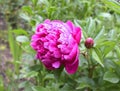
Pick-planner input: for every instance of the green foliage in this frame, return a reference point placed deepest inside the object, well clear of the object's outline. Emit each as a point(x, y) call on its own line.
point(111, 77)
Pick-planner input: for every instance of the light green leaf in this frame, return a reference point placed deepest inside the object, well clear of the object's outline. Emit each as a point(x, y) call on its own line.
point(90, 26)
point(109, 46)
point(25, 17)
point(105, 15)
point(106, 46)
point(111, 77)
point(100, 34)
point(83, 85)
point(40, 88)
point(117, 51)
point(22, 39)
point(27, 9)
point(34, 2)
point(97, 56)
point(19, 32)
point(31, 74)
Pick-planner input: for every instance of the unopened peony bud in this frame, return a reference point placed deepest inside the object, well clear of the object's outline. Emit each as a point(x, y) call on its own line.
point(89, 42)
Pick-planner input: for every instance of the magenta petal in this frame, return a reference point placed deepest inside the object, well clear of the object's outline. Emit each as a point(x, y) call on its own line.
point(47, 63)
point(47, 21)
point(39, 27)
point(78, 34)
point(56, 64)
point(72, 68)
point(72, 54)
point(70, 24)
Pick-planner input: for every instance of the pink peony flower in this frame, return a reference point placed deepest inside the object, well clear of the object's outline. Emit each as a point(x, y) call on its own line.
point(56, 44)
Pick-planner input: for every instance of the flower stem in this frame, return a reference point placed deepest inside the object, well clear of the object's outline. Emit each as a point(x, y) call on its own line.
point(90, 66)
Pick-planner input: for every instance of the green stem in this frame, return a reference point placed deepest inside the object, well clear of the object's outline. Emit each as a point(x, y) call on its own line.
point(90, 66)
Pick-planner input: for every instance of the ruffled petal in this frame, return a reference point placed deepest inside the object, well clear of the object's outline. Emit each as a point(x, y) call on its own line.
point(47, 21)
point(70, 24)
point(71, 57)
point(72, 67)
point(77, 35)
point(56, 64)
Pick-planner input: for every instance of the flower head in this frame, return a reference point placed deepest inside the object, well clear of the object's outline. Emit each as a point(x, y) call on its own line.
point(56, 44)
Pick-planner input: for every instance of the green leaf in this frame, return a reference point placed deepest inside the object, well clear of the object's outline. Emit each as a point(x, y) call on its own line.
point(28, 57)
point(114, 5)
point(25, 17)
point(117, 51)
point(83, 85)
point(27, 9)
point(85, 82)
point(99, 53)
point(106, 46)
point(90, 26)
point(48, 77)
point(22, 39)
point(31, 74)
point(67, 87)
point(40, 88)
point(97, 56)
point(111, 77)
point(15, 49)
point(105, 16)
point(34, 2)
point(35, 67)
point(22, 84)
point(109, 46)
point(27, 48)
point(77, 22)
point(112, 34)
point(100, 36)
point(19, 32)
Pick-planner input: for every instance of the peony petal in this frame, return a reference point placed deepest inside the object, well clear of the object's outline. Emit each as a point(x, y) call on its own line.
point(71, 57)
point(56, 64)
point(57, 54)
point(47, 21)
point(34, 37)
point(70, 24)
point(39, 26)
point(47, 63)
point(78, 34)
point(72, 68)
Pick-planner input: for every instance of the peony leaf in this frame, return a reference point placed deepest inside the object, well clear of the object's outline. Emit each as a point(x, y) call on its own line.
point(97, 56)
point(111, 77)
point(22, 39)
